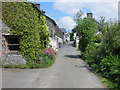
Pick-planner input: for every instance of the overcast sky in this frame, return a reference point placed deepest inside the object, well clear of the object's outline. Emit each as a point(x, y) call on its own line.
point(62, 11)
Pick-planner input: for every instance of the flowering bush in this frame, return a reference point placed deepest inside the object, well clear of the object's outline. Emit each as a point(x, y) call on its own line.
point(50, 51)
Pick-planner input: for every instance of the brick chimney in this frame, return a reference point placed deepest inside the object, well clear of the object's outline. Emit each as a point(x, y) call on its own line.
point(90, 15)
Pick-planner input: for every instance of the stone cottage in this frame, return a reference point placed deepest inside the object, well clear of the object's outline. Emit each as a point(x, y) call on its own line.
point(65, 35)
point(9, 46)
point(52, 29)
point(56, 35)
point(9, 43)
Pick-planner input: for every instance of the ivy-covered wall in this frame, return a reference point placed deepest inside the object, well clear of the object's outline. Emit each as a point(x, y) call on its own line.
point(25, 20)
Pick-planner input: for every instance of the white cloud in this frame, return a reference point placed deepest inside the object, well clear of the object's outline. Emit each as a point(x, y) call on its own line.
point(106, 8)
point(73, 11)
point(66, 22)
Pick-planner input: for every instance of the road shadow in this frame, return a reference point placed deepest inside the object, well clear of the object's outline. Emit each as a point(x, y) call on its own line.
point(73, 56)
point(84, 66)
point(73, 45)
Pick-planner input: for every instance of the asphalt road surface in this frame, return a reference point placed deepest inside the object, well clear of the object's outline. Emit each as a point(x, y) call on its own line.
point(69, 71)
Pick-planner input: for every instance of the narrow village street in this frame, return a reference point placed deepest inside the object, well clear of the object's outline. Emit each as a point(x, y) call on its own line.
point(69, 71)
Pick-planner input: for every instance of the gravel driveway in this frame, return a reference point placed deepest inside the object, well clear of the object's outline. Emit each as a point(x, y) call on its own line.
point(69, 71)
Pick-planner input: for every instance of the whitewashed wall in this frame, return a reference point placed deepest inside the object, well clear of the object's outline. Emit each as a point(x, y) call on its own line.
point(54, 43)
point(74, 36)
point(60, 40)
point(77, 42)
point(76, 39)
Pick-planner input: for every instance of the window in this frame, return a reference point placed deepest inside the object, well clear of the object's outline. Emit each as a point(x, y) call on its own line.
point(13, 43)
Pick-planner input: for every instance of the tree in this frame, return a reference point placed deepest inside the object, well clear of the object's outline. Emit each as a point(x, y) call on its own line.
point(78, 16)
point(86, 29)
point(71, 36)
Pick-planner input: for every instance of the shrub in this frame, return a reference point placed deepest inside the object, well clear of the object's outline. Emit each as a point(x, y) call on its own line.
point(86, 31)
point(98, 38)
point(71, 36)
point(91, 55)
point(110, 68)
point(101, 50)
point(111, 42)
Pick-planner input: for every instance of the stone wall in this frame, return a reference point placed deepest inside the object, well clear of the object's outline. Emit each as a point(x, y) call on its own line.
point(8, 57)
point(14, 58)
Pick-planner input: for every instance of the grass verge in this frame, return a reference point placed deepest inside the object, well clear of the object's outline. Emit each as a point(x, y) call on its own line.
point(107, 83)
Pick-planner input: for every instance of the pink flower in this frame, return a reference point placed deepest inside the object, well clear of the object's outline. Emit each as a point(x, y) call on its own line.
point(49, 51)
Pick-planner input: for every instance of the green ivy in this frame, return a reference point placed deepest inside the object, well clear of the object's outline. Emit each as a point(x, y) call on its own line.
point(25, 20)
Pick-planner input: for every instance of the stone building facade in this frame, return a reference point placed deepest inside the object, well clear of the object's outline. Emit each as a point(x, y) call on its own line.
point(9, 47)
point(9, 43)
point(56, 35)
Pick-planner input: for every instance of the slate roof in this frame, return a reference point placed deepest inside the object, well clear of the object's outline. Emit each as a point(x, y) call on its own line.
point(63, 30)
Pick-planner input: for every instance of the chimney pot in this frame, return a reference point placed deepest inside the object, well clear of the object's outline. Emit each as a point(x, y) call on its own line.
point(43, 11)
point(90, 15)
